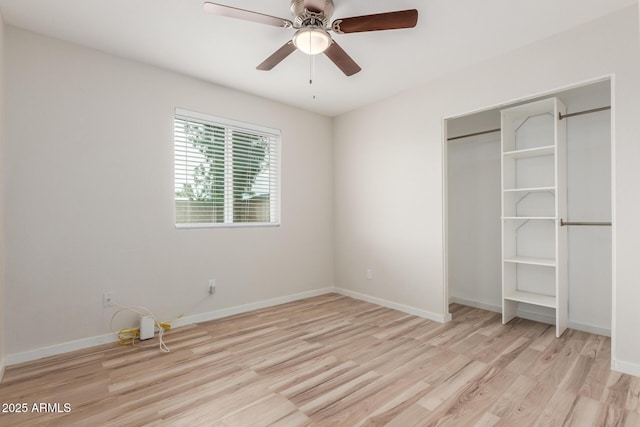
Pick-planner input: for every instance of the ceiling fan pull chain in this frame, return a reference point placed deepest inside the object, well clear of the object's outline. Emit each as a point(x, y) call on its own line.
point(312, 70)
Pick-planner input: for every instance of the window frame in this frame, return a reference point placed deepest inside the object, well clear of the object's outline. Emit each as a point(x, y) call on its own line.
point(230, 125)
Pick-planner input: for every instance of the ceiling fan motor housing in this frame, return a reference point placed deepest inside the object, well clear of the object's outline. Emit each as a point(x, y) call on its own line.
point(303, 17)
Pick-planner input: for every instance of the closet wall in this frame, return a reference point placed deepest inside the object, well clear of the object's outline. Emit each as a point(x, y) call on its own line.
point(473, 220)
point(473, 211)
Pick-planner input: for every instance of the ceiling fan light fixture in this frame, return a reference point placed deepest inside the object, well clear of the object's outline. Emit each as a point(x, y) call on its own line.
point(312, 40)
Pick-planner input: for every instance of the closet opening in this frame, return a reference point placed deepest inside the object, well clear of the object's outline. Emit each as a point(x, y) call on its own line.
point(507, 210)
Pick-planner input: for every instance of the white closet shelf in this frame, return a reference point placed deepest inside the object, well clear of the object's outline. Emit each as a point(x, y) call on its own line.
point(531, 152)
point(547, 262)
point(529, 190)
point(532, 298)
point(528, 173)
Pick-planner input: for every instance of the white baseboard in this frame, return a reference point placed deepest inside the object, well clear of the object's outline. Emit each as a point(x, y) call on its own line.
point(592, 329)
point(394, 305)
point(39, 353)
point(53, 350)
point(239, 309)
point(476, 304)
point(535, 316)
point(625, 367)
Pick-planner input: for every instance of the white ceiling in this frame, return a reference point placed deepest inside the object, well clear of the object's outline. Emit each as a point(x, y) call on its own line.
point(177, 35)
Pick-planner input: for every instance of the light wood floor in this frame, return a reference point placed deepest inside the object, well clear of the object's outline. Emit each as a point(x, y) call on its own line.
point(332, 360)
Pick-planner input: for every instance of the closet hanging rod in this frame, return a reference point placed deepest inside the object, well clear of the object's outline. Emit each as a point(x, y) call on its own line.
point(603, 224)
point(473, 134)
point(560, 117)
point(579, 113)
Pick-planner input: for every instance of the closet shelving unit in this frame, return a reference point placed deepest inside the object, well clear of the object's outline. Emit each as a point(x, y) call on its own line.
point(534, 245)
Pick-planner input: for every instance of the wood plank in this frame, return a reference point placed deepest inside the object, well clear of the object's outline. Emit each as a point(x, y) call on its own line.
point(468, 406)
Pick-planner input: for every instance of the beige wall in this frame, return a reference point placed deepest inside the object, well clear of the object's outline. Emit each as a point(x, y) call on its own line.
point(2, 205)
point(90, 179)
point(388, 174)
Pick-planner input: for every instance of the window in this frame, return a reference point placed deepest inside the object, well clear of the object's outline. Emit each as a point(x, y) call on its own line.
point(226, 172)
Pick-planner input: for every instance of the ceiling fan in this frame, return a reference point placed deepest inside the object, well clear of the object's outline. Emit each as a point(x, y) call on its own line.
point(311, 20)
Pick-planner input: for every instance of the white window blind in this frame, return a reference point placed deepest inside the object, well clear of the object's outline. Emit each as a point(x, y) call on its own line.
point(226, 172)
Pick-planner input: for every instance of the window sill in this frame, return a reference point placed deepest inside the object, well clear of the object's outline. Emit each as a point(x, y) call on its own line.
point(226, 225)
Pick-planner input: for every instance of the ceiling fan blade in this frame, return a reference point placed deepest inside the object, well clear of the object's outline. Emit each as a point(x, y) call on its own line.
point(246, 15)
point(315, 5)
point(342, 60)
point(377, 22)
point(277, 57)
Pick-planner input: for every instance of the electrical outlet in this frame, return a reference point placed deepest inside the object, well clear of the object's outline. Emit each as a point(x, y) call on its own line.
point(369, 274)
point(212, 286)
point(107, 299)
